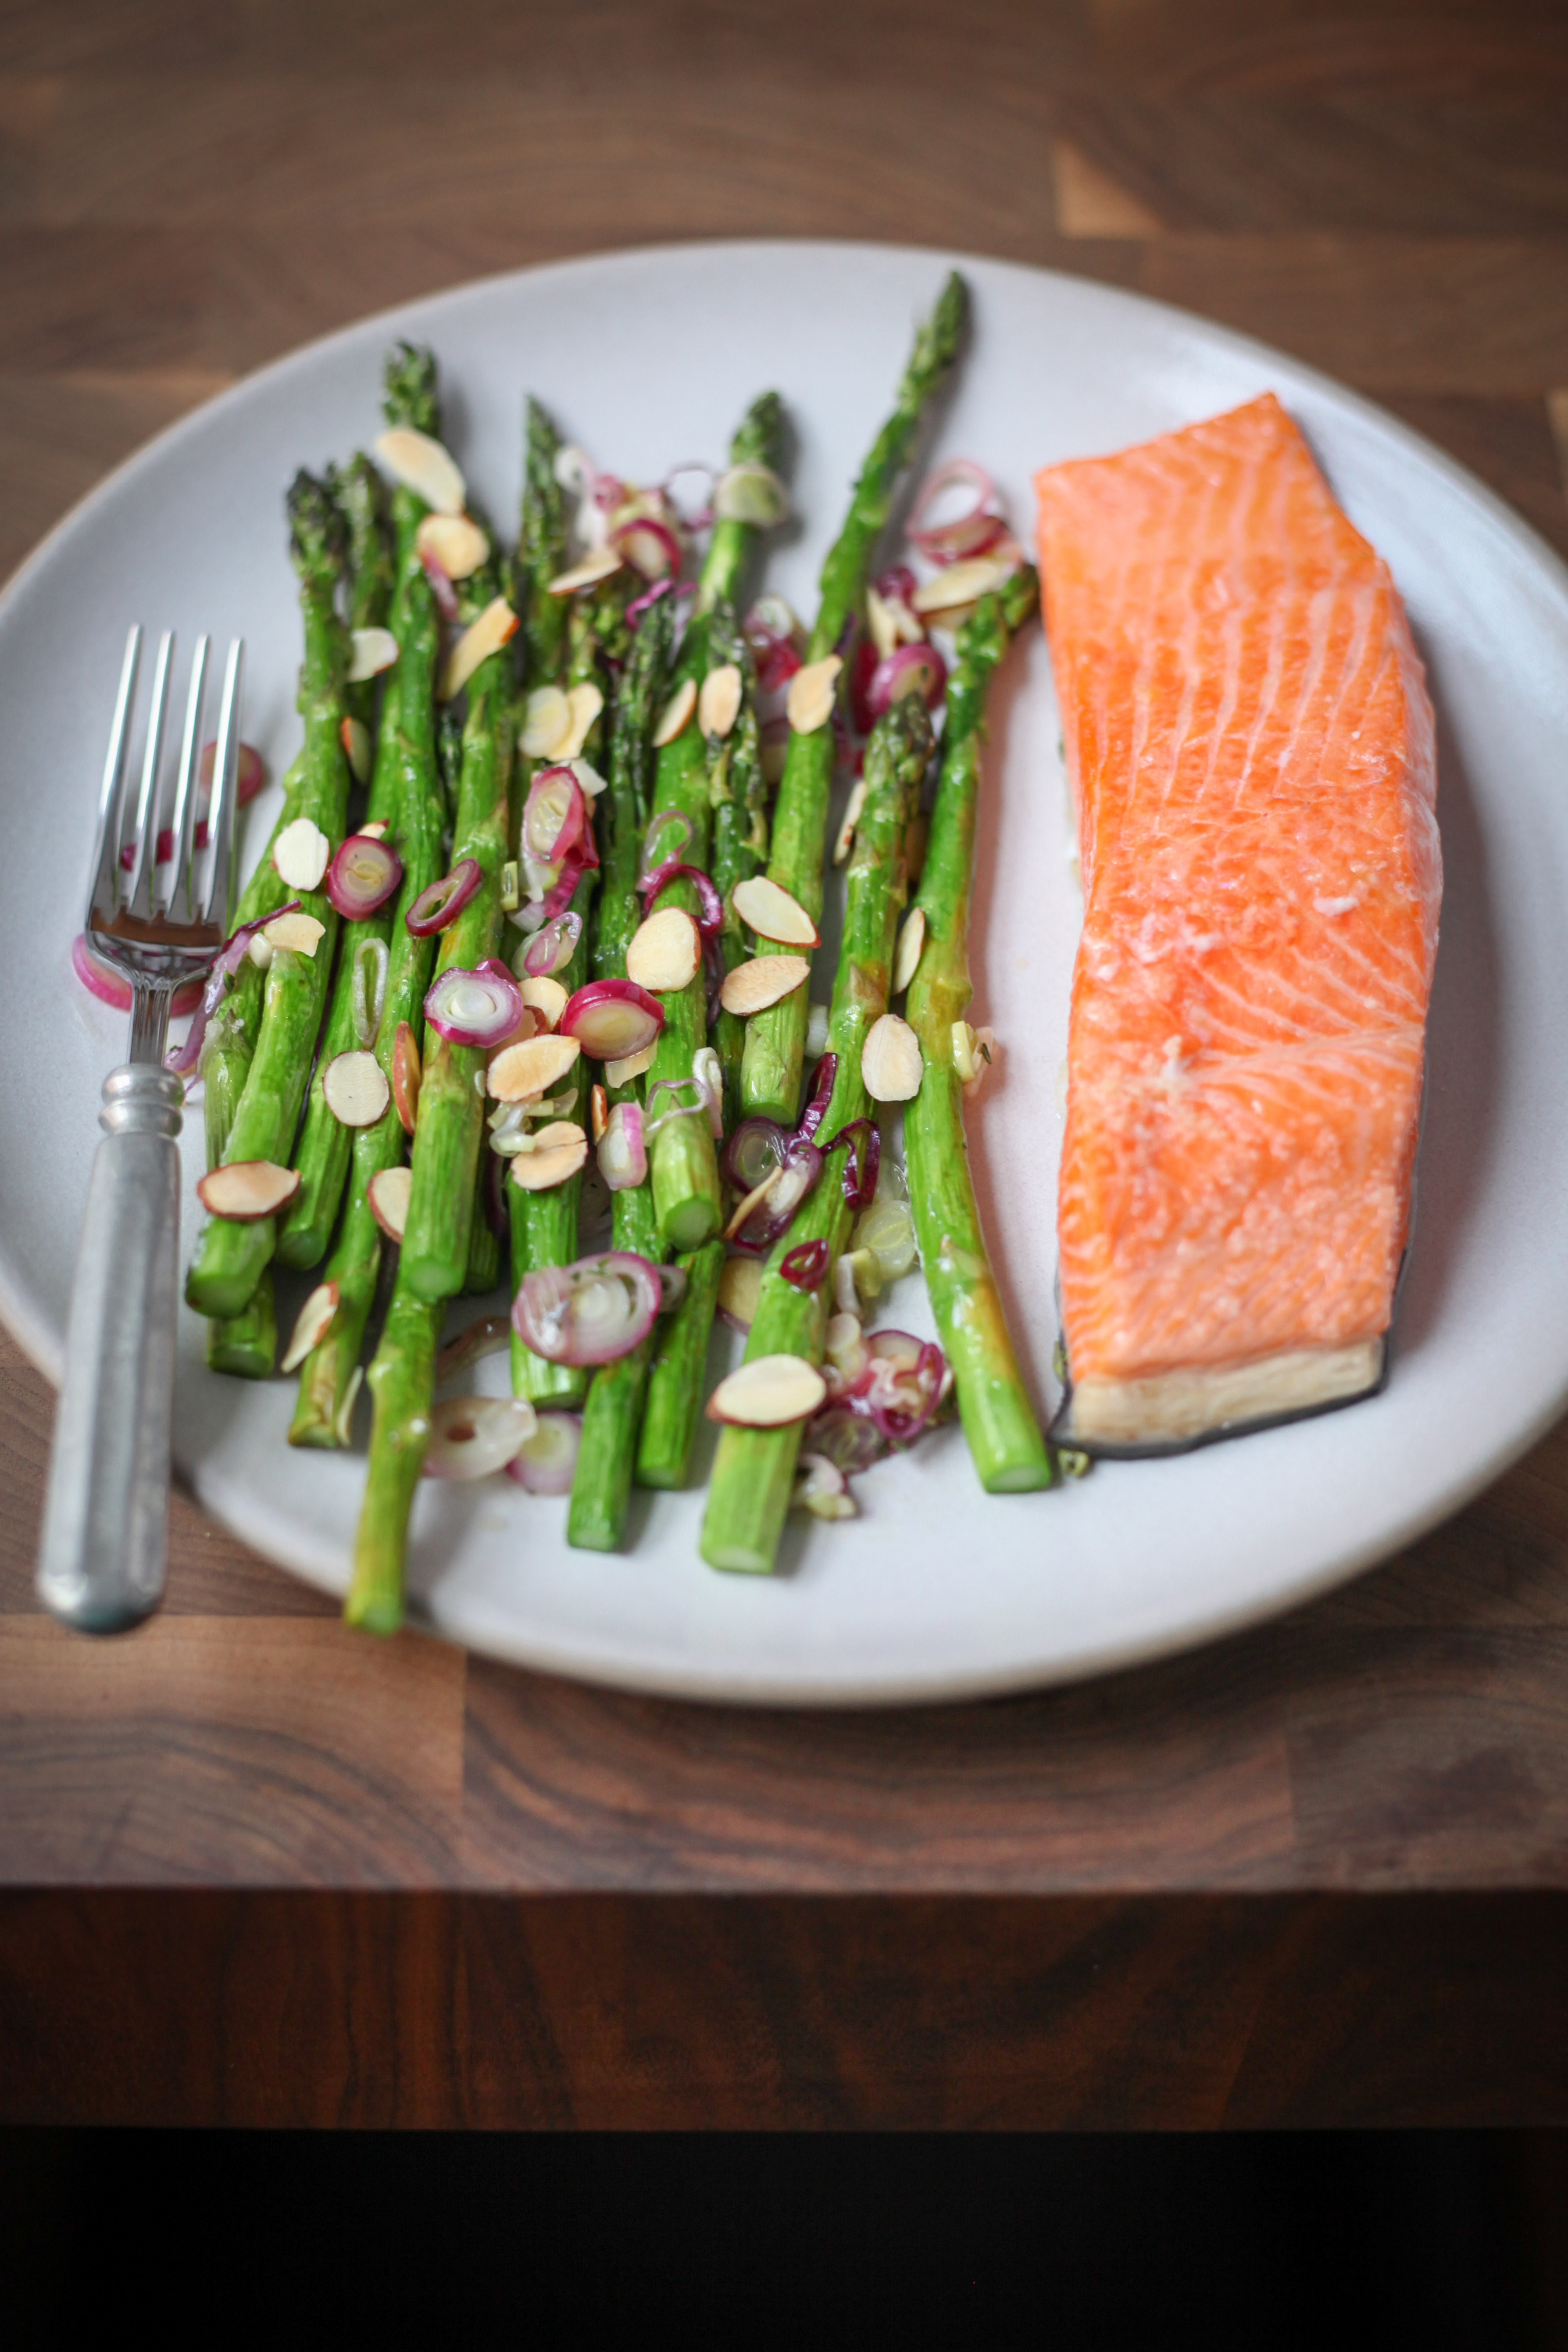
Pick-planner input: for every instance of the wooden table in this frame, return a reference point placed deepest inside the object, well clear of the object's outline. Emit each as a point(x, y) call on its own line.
point(259, 1871)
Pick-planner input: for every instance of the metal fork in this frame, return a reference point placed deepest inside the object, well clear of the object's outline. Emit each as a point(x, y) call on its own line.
point(157, 921)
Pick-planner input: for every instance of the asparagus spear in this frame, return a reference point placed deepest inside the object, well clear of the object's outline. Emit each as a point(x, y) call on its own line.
point(601, 1482)
point(1009, 1453)
point(446, 1140)
point(756, 1467)
point(231, 1258)
point(322, 1153)
point(402, 1379)
point(406, 752)
point(769, 1080)
point(687, 1192)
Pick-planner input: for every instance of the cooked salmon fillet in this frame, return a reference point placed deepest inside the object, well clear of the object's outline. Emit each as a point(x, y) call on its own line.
point(1250, 746)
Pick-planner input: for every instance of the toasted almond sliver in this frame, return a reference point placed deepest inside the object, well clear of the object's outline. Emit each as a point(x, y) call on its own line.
point(301, 933)
point(811, 693)
point(424, 466)
point(597, 564)
point(559, 1152)
point(406, 1076)
point(453, 543)
point(907, 955)
point(354, 737)
point(584, 703)
point(769, 1393)
point(599, 1113)
point(354, 1088)
point(630, 1066)
point(752, 986)
point(301, 854)
point(370, 652)
point(665, 950)
point(311, 1325)
point(374, 830)
point(890, 1064)
point(719, 704)
point(247, 1189)
point(846, 841)
point(752, 1200)
point(547, 723)
point(519, 1072)
point(966, 582)
point(482, 638)
point(677, 711)
point(772, 914)
point(387, 1193)
point(545, 998)
point(740, 1285)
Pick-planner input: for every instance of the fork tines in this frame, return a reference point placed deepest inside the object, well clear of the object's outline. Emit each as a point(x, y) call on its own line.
point(131, 883)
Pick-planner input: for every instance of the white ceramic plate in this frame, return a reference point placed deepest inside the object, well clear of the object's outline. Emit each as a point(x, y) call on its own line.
point(648, 358)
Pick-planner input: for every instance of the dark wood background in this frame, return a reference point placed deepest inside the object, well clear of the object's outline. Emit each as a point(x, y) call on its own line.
point(259, 1870)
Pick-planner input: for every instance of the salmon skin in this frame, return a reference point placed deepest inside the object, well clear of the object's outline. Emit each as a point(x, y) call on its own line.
point(1251, 752)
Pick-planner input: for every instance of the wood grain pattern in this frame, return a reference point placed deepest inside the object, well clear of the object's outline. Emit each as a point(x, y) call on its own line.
point(258, 1871)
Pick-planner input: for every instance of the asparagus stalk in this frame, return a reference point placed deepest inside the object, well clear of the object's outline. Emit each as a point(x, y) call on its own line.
point(676, 1378)
point(1009, 1453)
point(769, 1080)
point(601, 1486)
point(362, 496)
point(451, 1118)
point(754, 1470)
point(687, 1192)
point(401, 1380)
point(231, 1258)
point(405, 753)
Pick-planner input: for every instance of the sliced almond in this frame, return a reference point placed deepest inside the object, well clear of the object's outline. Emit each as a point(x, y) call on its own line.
point(811, 694)
point(630, 1066)
point(355, 1090)
point(752, 986)
point(454, 542)
point(246, 1189)
point(482, 638)
point(599, 1113)
point(890, 1064)
point(678, 711)
point(370, 652)
point(354, 737)
point(739, 1286)
point(881, 622)
point(375, 829)
point(846, 841)
point(545, 998)
point(752, 1200)
point(965, 583)
point(769, 1393)
point(665, 950)
point(772, 914)
point(719, 704)
point(584, 702)
point(557, 1152)
point(424, 466)
point(596, 565)
point(517, 1072)
point(311, 1325)
point(407, 1073)
point(301, 933)
point(546, 724)
point(302, 855)
point(387, 1192)
point(906, 954)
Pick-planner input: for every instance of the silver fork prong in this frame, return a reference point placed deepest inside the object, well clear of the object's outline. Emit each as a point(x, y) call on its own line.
point(105, 874)
point(139, 893)
point(181, 825)
point(218, 893)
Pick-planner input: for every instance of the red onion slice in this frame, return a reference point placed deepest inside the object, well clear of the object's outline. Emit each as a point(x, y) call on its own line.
point(897, 582)
point(859, 1178)
point(800, 1165)
point(474, 1008)
point(622, 1154)
point(362, 876)
point(639, 605)
point(805, 1264)
point(182, 1059)
point(611, 1018)
point(851, 1441)
point(757, 1145)
point(444, 900)
point(547, 1462)
point(591, 1312)
point(650, 546)
point(472, 1436)
point(657, 854)
point(970, 533)
point(553, 947)
point(677, 1109)
point(823, 1079)
point(907, 669)
point(710, 920)
point(554, 814)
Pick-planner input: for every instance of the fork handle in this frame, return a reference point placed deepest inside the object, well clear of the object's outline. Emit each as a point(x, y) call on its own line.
point(106, 1513)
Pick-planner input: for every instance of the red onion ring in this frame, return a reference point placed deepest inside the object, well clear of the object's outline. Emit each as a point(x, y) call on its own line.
point(481, 1007)
point(611, 1018)
point(444, 901)
point(183, 1058)
point(553, 945)
point(362, 876)
point(970, 533)
point(897, 582)
point(591, 1312)
point(862, 670)
point(547, 1462)
point(801, 1163)
point(805, 1264)
point(823, 1079)
point(554, 814)
point(710, 920)
point(630, 542)
point(622, 1154)
point(891, 677)
point(649, 863)
point(851, 1441)
point(757, 1145)
point(858, 1180)
point(639, 605)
